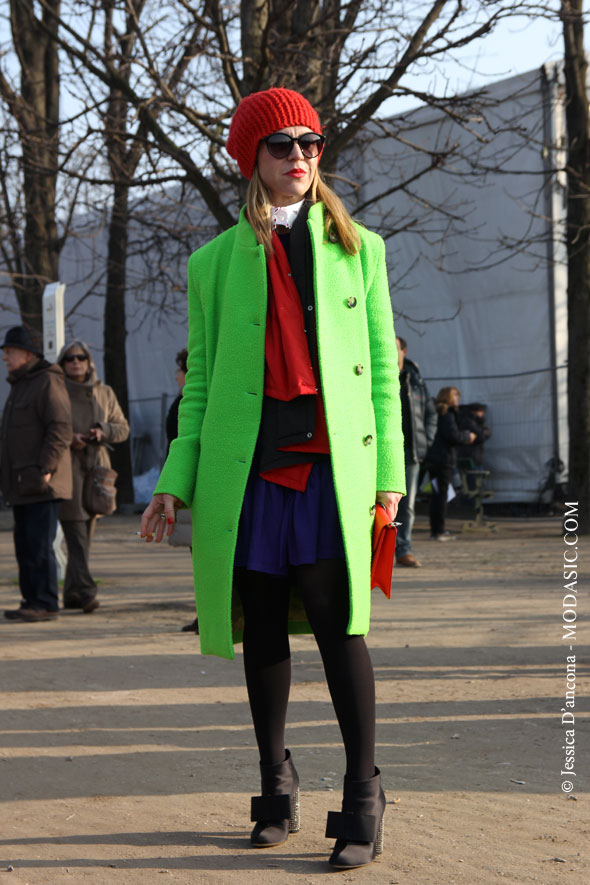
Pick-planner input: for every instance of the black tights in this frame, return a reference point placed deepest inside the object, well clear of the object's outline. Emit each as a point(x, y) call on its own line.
point(267, 659)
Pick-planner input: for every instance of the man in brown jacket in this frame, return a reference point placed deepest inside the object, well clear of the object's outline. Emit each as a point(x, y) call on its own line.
point(35, 467)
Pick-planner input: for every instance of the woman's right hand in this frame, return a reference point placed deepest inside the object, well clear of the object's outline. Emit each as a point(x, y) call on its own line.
point(472, 437)
point(78, 441)
point(159, 514)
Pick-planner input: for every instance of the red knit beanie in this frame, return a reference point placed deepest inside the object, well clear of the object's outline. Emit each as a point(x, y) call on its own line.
point(263, 113)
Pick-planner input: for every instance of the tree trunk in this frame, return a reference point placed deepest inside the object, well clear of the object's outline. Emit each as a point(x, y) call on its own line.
point(578, 255)
point(115, 331)
point(37, 112)
point(297, 45)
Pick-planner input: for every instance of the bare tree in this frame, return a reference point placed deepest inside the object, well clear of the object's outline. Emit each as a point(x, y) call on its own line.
point(162, 84)
point(352, 59)
point(11, 202)
point(125, 145)
point(348, 58)
point(33, 258)
point(123, 153)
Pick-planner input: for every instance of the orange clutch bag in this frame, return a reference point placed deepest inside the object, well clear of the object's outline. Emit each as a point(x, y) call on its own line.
point(384, 535)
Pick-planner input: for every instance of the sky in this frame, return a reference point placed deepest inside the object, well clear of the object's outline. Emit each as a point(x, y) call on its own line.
point(516, 46)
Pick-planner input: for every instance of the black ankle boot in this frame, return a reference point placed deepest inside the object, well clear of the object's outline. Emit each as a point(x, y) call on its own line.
point(277, 810)
point(358, 828)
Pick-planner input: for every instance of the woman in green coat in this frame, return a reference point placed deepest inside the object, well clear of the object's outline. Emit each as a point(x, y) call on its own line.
point(289, 433)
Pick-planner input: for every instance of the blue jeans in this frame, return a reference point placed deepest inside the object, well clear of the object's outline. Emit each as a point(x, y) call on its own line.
point(405, 511)
point(35, 526)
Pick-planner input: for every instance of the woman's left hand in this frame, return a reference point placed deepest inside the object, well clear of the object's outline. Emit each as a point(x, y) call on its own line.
point(390, 501)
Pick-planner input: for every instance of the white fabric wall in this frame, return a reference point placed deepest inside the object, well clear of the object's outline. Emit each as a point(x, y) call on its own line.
point(468, 307)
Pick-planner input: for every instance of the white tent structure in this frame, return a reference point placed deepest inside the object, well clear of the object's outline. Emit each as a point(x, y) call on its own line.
point(479, 293)
point(482, 299)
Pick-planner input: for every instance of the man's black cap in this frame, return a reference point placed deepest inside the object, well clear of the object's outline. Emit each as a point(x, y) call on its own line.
point(25, 338)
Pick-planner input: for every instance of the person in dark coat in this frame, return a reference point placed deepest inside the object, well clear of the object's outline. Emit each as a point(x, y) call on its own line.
point(98, 421)
point(172, 416)
point(35, 468)
point(419, 420)
point(441, 458)
point(182, 535)
point(473, 417)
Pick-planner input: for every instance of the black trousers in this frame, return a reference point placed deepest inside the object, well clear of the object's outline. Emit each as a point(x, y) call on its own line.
point(79, 585)
point(35, 526)
point(438, 500)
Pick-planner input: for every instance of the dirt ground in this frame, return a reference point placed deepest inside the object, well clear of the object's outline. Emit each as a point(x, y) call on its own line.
point(127, 757)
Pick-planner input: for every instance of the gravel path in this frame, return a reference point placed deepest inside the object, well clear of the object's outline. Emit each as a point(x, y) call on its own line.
point(127, 757)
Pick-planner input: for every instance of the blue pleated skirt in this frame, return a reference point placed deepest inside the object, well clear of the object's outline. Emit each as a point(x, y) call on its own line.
point(281, 527)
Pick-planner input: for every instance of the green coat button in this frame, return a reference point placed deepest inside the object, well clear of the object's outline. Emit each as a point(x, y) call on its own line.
point(373, 510)
point(351, 302)
point(367, 440)
point(359, 369)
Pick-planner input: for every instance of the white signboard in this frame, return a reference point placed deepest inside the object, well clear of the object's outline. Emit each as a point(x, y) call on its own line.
point(53, 320)
point(53, 341)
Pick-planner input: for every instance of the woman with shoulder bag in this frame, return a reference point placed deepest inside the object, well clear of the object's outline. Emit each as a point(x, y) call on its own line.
point(289, 432)
point(97, 422)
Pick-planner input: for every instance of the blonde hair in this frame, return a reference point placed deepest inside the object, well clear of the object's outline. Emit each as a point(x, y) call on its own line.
point(443, 399)
point(338, 224)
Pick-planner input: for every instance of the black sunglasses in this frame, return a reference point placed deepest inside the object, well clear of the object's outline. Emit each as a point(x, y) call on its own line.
point(280, 145)
point(81, 357)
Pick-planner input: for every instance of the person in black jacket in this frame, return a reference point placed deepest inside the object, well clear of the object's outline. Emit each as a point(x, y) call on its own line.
point(184, 524)
point(172, 416)
point(441, 458)
point(473, 417)
point(419, 420)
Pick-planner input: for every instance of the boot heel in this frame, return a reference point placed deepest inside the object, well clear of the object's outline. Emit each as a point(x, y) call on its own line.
point(295, 819)
point(379, 839)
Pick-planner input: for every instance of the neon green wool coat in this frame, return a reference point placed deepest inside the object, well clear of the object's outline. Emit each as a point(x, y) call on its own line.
point(219, 415)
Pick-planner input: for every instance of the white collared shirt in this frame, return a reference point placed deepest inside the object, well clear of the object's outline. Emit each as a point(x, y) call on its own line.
point(285, 215)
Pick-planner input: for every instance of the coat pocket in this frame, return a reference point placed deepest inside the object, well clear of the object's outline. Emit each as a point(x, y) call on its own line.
point(30, 481)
